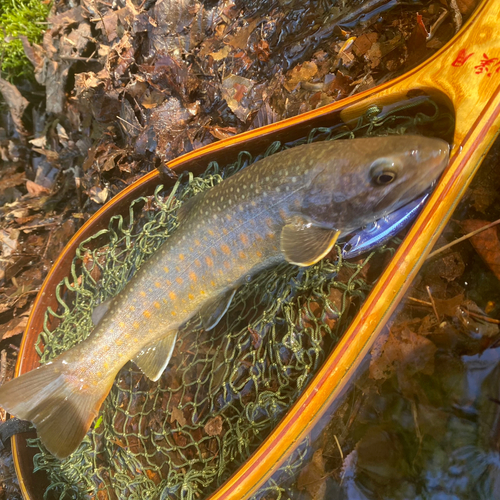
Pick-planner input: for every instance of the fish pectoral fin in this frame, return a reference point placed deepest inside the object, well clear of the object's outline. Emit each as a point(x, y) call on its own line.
point(304, 244)
point(154, 358)
point(212, 312)
point(100, 310)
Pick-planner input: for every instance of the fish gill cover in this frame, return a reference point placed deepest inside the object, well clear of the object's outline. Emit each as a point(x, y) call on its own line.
point(226, 389)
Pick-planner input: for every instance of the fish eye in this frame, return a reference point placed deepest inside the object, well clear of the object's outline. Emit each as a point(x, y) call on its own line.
point(383, 172)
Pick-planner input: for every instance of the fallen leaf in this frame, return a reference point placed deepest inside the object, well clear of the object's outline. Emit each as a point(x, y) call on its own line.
point(486, 243)
point(98, 195)
point(312, 477)
point(16, 103)
point(300, 73)
point(35, 189)
point(178, 416)
point(214, 426)
point(14, 327)
point(235, 90)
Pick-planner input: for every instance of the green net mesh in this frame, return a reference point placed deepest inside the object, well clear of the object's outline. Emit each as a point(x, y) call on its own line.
point(224, 390)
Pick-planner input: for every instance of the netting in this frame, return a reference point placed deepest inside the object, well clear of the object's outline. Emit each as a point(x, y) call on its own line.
point(224, 390)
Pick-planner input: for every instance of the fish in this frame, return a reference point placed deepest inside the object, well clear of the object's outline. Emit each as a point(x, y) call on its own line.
point(376, 233)
point(291, 206)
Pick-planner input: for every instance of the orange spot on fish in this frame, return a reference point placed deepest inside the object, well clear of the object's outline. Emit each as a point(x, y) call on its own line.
point(269, 221)
point(157, 305)
point(166, 269)
point(127, 335)
point(142, 293)
point(135, 324)
point(228, 217)
point(135, 339)
point(179, 280)
point(192, 276)
point(172, 296)
point(225, 249)
point(224, 231)
point(106, 366)
point(119, 342)
point(214, 251)
point(146, 314)
point(209, 261)
point(242, 255)
point(105, 348)
point(173, 313)
point(226, 264)
point(244, 239)
point(169, 282)
point(121, 324)
point(197, 263)
point(210, 232)
point(99, 374)
point(259, 254)
point(157, 284)
point(131, 308)
point(181, 256)
point(212, 283)
point(202, 292)
point(190, 296)
point(271, 236)
point(197, 243)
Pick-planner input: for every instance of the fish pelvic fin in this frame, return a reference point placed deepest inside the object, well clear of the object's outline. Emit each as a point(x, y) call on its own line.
point(154, 358)
point(58, 403)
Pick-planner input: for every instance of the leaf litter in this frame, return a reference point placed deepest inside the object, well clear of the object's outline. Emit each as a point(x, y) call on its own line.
point(123, 86)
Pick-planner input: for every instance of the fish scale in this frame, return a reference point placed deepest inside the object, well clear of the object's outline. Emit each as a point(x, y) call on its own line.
point(291, 206)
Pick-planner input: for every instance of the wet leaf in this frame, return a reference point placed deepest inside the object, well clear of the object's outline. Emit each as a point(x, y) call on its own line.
point(16, 103)
point(35, 189)
point(235, 91)
point(486, 243)
point(178, 416)
point(300, 73)
point(313, 478)
point(14, 327)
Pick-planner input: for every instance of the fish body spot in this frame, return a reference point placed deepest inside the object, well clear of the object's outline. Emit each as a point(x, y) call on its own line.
point(226, 264)
point(132, 308)
point(209, 261)
point(181, 256)
point(146, 314)
point(169, 282)
point(190, 296)
point(179, 280)
point(225, 249)
point(213, 251)
point(119, 342)
point(166, 269)
point(192, 276)
point(172, 296)
point(121, 324)
point(136, 324)
point(156, 304)
point(212, 282)
point(197, 263)
point(259, 254)
point(142, 293)
point(242, 255)
point(244, 238)
point(210, 232)
point(224, 231)
point(197, 243)
point(173, 313)
point(157, 284)
point(99, 374)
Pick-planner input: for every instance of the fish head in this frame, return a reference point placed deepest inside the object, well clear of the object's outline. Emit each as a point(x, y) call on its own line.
point(370, 178)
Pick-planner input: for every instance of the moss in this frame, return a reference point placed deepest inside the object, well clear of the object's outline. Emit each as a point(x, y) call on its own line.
point(21, 17)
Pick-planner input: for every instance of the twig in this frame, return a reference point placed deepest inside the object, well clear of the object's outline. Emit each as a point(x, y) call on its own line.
point(418, 301)
point(432, 302)
point(463, 238)
point(487, 319)
point(338, 446)
point(128, 123)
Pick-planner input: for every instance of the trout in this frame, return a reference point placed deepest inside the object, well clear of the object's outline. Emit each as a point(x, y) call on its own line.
point(291, 206)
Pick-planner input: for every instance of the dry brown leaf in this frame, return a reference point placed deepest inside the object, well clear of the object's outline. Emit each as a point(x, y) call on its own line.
point(178, 416)
point(16, 103)
point(14, 327)
point(214, 426)
point(35, 189)
point(300, 73)
point(98, 195)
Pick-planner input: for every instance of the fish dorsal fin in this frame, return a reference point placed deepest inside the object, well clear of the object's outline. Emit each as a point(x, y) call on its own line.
point(154, 357)
point(212, 311)
point(304, 244)
point(100, 310)
point(188, 205)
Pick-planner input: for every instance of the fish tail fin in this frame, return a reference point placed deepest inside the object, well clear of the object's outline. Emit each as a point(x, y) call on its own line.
point(59, 404)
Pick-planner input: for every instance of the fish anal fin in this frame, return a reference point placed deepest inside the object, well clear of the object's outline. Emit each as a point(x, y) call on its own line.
point(304, 244)
point(61, 412)
point(212, 312)
point(154, 358)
